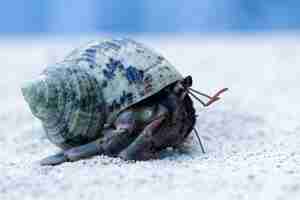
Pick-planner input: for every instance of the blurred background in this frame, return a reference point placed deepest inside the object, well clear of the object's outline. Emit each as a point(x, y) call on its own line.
point(31, 17)
point(251, 136)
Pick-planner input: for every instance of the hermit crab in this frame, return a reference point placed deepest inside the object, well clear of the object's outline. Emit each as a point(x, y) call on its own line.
point(114, 97)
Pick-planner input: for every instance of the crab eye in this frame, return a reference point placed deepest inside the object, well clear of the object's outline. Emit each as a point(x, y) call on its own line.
point(188, 81)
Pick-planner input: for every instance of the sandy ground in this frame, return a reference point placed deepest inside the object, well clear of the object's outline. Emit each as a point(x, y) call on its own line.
point(253, 150)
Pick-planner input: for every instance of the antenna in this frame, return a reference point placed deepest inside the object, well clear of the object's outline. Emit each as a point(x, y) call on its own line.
point(201, 145)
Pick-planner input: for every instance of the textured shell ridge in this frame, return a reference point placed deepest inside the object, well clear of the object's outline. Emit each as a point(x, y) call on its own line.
point(97, 81)
point(81, 114)
point(133, 73)
point(127, 71)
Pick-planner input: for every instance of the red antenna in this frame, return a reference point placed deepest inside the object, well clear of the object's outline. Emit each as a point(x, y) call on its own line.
point(212, 99)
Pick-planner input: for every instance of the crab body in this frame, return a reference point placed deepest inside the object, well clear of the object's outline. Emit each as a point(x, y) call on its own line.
point(114, 97)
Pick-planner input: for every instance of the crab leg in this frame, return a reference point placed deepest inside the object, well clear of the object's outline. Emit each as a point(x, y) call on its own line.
point(115, 141)
point(140, 148)
point(118, 140)
point(73, 154)
point(54, 159)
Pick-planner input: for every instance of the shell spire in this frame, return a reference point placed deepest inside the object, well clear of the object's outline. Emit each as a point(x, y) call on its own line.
point(69, 104)
point(35, 93)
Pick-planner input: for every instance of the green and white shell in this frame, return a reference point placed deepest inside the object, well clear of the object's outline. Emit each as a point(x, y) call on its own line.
point(91, 86)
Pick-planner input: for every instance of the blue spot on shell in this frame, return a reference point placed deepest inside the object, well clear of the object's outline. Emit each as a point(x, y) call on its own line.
point(134, 75)
point(91, 50)
point(111, 67)
point(108, 74)
point(89, 60)
point(89, 56)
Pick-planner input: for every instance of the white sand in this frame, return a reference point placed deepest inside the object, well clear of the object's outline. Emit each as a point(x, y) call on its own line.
point(251, 136)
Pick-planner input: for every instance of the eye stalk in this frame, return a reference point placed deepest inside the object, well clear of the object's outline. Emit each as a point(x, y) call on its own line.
point(184, 86)
point(187, 82)
point(211, 100)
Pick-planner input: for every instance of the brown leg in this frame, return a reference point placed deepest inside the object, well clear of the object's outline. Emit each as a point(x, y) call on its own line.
point(113, 142)
point(73, 154)
point(142, 148)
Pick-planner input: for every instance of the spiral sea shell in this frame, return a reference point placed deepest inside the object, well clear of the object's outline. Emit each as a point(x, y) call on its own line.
point(90, 87)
